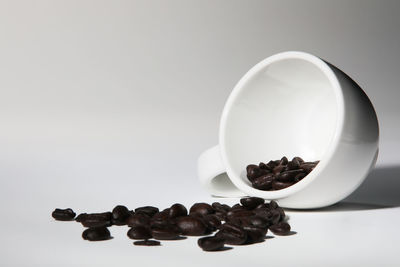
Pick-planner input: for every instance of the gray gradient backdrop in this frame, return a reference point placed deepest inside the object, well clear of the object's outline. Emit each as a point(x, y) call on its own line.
point(107, 102)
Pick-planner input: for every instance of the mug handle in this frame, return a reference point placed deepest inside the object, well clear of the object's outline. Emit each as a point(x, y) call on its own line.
point(212, 174)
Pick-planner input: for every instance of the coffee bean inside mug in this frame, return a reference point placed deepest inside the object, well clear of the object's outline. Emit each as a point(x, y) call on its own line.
point(278, 174)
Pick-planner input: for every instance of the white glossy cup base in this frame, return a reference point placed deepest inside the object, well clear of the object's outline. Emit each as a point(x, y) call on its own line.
point(294, 104)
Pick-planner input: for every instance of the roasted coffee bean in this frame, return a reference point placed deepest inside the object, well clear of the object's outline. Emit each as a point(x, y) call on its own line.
point(212, 221)
point(293, 165)
point(278, 169)
point(284, 161)
point(271, 164)
point(96, 234)
point(278, 174)
point(251, 202)
point(263, 206)
point(253, 172)
point(244, 223)
point(189, 225)
point(276, 185)
point(166, 232)
point(202, 208)
point(239, 213)
point(264, 166)
point(257, 221)
point(138, 219)
point(250, 167)
point(63, 214)
point(160, 218)
point(288, 176)
point(300, 160)
point(282, 228)
point(237, 207)
point(254, 234)
point(211, 243)
point(148, 210)
point(220, 215)
point(263, 182)
point(299, 177)
point(307, 167)
point(273, 204)
point(220, 207)
point(80, 217)
point(232, 234)
point(264, 213)
point(275, 217)
point(119, 215)
point(177, 210)
point(139, 232)
point(147, 243)
point(281, 213)
point(95, 219)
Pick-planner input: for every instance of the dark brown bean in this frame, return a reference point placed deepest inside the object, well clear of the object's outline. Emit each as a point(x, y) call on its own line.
point(220, 207)
point(211, 243)
point(293, 165)
point(281, 228)
point(288, 176)
point(257, 221)
point(251, 202)
point(167, 232)
point(160, 218)
point(147, 243)
point(284, 161)
point(263, 206)
point(220, 215)
point(232, 234)
point(271, 164)
point(253, 172)
point(138, 219)
point(202, 208)
point(148, 210)
point(264, 166)
point(139, 232)
point(273, 204)
point(264, 213)
point(119, 215)
point(237, 207)
point(177, 210)
point(63, 214)
point(300, 160)
point(281, 213)
point(240, 213)
point(189, 225)
point(254, 234)
point(307, 167)
point(276, 185)
point(299, 177)
point(212, 221)
point(263, 182)
point(251, 167)
point(96, 234)
point(95, 219)
point(278, 169)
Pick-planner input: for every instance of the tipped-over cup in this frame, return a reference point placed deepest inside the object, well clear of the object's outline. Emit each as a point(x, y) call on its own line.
point(294, 104)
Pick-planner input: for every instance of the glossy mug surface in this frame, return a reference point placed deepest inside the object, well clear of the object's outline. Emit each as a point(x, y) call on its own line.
point(294, 104)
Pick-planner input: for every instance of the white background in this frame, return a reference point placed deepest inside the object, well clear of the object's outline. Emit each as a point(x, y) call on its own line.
point(111, 102)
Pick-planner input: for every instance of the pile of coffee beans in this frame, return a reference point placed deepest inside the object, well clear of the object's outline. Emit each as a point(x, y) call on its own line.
point(246, 222)
point(278, 174)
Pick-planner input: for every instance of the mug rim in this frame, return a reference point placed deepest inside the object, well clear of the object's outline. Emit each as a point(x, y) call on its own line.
point(328, 154)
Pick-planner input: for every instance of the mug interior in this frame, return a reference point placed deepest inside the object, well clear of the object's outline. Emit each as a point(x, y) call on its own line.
point(286, 106)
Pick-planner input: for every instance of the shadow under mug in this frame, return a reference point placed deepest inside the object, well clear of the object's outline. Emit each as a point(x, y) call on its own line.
point(294, 104)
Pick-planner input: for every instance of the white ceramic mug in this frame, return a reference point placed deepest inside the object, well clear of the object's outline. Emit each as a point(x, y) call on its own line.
point(294, 104)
